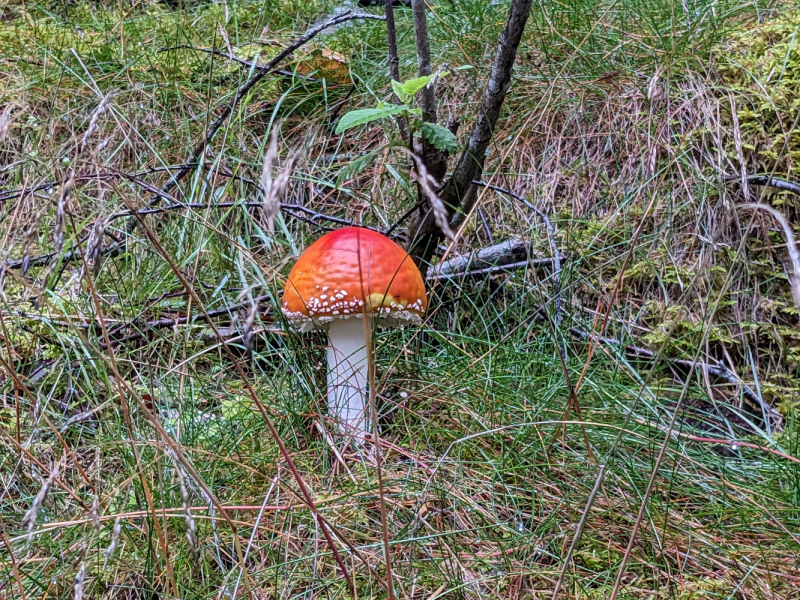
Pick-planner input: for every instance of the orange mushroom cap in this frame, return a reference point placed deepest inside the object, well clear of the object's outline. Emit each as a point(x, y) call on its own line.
point(348, 270)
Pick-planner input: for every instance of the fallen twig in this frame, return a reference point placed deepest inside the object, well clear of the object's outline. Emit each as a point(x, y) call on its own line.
point(506, 255)
point(488, 270)
point(111, 174)
point(171, 322)
point(233, 58)
point(315, 216)
point(720, 371)
point(113, 249)
point(199, 149)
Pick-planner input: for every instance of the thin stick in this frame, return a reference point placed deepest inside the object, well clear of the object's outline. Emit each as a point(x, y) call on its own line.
point(192, 162)
point(584, 517)
point(242, 92)
point(377, 448)
point(394, 64)
point(112, 249)
point(769, 181)
point(423, 60)
point(365, 317)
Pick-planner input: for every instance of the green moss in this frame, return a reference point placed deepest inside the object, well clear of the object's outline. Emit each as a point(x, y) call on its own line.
point(761, 66)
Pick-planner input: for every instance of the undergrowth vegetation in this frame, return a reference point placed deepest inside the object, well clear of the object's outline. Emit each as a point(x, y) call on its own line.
point(623, 426)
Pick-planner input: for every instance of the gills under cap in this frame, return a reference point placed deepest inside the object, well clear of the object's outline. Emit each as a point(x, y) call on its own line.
point(348, 270)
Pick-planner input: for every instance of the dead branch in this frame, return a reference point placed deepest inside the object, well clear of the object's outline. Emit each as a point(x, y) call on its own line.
point(720, 371)
point(199, 149)
point(242, 92)
point(435, 161)
point(769, 181)
point(312, 217)
point(500, 255)
point(244, 63)
point(144, 327)
point(394, 65)
point(113, 173)
point(498, 268)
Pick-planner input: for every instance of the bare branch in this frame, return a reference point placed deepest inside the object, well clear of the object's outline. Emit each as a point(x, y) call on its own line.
point(394, 64)
point(424, 59)
point(720, 371)
point(497, 268)
point(769, 181)
point(233, 58)
point(504, 254)
point(435, 160)
point(260, 73)
point(142, 328)
point(470, 165)
point(293, 210)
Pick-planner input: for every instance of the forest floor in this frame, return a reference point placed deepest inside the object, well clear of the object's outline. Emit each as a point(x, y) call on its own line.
point(622, 426)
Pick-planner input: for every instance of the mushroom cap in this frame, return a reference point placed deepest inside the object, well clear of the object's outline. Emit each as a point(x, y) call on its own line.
point(349, 270)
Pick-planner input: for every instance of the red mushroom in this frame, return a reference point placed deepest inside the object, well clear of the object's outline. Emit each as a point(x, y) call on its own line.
point(341, 277)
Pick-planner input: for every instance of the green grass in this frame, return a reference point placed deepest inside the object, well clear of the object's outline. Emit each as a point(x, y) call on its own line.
point(618, 126)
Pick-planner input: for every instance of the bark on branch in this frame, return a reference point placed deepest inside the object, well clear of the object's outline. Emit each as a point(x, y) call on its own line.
point(394, 65)
point(505, 256)
point(435, 160)
point(769, 181)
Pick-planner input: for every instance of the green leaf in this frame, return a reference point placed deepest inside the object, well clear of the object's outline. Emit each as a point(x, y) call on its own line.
point(366, 115)
point(412, 86)
point(400, 92)
point(358, 165)
point(441, 138)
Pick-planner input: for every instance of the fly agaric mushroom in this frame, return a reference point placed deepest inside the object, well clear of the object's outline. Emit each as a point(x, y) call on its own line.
point(340, 278)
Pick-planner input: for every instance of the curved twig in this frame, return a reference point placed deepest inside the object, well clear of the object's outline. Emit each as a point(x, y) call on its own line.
point(250, 84)
point(550, 238)
point(769, 181)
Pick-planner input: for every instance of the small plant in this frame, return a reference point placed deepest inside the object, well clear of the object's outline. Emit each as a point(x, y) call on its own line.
point(440, 137)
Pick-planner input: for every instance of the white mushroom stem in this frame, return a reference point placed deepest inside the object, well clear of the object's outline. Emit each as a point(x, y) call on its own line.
point(347, 375)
